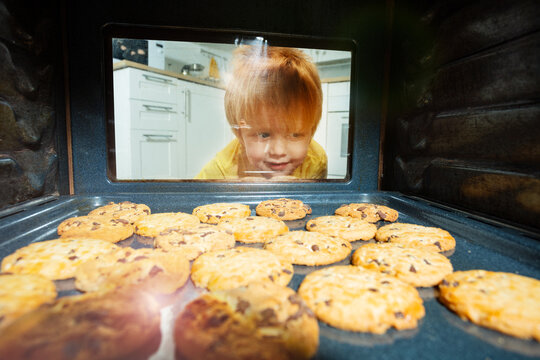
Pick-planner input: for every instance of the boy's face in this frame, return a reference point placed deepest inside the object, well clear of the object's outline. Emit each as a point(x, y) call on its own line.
point(271, 149)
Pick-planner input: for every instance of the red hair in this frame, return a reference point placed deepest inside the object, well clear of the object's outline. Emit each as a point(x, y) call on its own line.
point(279, 78)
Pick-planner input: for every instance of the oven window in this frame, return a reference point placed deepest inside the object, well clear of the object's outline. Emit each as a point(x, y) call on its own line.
point(236, 111)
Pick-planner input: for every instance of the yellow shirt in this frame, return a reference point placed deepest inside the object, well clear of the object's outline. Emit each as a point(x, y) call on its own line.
point(225, 164)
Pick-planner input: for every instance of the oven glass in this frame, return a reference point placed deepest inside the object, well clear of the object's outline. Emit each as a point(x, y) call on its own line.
point(199, 106)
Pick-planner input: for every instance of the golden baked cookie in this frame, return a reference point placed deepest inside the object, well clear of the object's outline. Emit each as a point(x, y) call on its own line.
point(102, 227)
point(357, 299)
point(309, 248)
point(22, 293)
point(416, 266)
point(113, 325)
point(152, 225)
point(217, 212)
point(258, 321)
point(126, 210)
point(431, 238)
point(500, 301)
point(159, 272)
point(254, 229)
point(195, 240)
point(226, 269)
point(345, 227)
point(55, 259)
point(368, 212)
point(283, 209)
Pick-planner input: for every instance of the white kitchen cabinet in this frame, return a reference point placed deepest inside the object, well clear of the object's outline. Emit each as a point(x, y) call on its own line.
point(337, 144)
point(145, 145)
point(206, 124)
point(165, 127)
point(336, 119)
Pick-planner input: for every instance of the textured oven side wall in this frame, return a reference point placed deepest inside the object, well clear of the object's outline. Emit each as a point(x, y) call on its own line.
point(29, 106)
point(463, 125)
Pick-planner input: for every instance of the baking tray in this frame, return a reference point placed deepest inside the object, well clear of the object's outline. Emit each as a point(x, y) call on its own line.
point(441, 334)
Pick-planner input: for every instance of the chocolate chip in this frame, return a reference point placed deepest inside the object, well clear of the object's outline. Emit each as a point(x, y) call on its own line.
point(241, 306)
point(427, 262)
point(72, 257)
point(412, 269)
point(294, 299)
point(399, 315)
point(286, 271)
point(269, 317)
point(381, 215)
point(216, 321)
point(140, 257)
point(122, 261)
point(312, 225)
point(437, 244)
point(361, 208)
point(373, 290)
point(155, 270)
point(328, 302)
point(315, 248)
point(281, 213)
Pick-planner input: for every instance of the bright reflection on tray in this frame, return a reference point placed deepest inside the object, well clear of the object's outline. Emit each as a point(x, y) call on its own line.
point(172, 119)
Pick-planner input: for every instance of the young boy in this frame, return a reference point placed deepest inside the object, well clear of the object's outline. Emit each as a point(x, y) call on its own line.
point(273, 103)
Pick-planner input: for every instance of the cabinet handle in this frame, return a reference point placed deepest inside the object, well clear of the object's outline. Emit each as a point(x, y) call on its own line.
point(158, 108)
point(157, 79)
point(187, 107)
point(159, 138)
point(344, 140)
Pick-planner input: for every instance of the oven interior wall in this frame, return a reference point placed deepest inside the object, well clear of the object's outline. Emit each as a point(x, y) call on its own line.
point(464, 117)
point(32, 134)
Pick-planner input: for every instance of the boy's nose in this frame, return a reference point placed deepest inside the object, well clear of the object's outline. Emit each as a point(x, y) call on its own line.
point(277, 147)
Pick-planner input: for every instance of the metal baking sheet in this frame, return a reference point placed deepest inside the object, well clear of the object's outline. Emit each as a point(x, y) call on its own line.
point(440, 334)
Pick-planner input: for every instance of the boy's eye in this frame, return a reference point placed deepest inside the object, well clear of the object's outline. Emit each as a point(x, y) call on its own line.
point(263, 135)
point(297, 135)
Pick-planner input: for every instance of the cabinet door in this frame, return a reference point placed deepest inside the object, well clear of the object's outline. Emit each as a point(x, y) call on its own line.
point(155, 154)
point(146, 114)
point(207, 129)
point(146, 85)
point(337, 138)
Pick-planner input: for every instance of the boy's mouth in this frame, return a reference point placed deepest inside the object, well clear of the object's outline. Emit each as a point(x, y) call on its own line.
point(277, 166)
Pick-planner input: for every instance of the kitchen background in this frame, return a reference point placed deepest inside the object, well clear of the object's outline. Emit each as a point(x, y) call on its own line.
point(169, 94)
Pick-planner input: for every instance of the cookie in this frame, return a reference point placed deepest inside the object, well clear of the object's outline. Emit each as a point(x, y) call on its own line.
point(368, 212)
point(309, 248)
point(55, 259)
point(431, 238)
point(283, 209)
point(227, 269)
point(257, 321)
point(254, 229)
point(152, 225)
point(217, 212)
point(357, 299)
point(125, 210)
point(158, 271)
point(195, 240)
point(113, 325)
point(416, 266)
point(497, 300)
point(22, 293)
point(102, 227)
point(345, 227)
